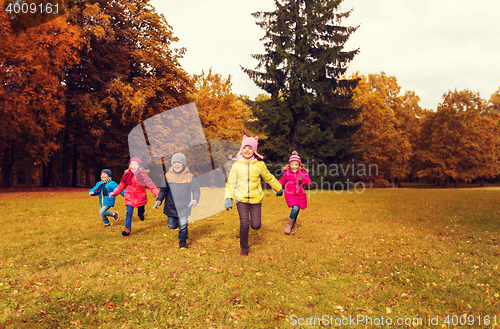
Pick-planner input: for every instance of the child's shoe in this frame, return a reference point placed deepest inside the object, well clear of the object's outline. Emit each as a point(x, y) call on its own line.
point(244, 252)
point(141, 217)
point(127, 231)
point(183, 244)
point(116, 216)
point(289, 226)
point(106, 225)
point(292, 231)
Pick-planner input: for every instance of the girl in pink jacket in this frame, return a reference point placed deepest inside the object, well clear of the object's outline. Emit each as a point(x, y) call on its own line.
point(293, 181)
point(134, 182)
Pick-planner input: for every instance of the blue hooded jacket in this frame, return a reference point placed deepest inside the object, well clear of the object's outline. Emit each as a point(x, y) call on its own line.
point(105, 200)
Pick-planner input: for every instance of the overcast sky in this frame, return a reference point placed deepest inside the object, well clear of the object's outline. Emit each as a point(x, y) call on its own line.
point(430, 46)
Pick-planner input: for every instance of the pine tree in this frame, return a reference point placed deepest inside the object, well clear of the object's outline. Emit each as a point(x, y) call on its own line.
point(309, 109)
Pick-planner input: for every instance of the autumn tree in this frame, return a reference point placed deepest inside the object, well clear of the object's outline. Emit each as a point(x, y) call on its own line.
point(387, 122)
point(32, 104)
point(495, 101)
point(460, 140)
point(309, 108)
point(217, 104)
point(128, 72)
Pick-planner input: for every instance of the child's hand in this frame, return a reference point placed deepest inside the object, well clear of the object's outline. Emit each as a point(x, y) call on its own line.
point(111, 195)
point(192, 204)
point(157, 204)
point(91, 192)
point(280, 192)
point(228, 204)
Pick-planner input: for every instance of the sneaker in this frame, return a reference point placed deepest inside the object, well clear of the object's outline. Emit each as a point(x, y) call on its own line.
point(244, 252)
point(183, 244)
point(116, 216)
point(106, 225)
point(141, 217)
point(127, 231)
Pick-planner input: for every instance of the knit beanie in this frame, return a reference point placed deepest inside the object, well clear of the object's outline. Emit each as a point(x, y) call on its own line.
point(136, 160)
point(252, 142)
point(107, 172)
point(294, 157)
point(179, 157)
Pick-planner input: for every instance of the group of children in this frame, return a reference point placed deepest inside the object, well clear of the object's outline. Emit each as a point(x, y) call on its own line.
point(182, 193)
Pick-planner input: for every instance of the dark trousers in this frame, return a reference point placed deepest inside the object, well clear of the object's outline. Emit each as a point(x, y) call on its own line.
point(130, 211)
point(250, 215)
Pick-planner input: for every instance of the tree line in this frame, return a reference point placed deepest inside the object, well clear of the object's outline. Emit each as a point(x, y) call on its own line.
point(460, 141)
point(73, 88)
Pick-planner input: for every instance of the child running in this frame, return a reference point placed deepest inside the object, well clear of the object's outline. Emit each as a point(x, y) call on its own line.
point(103, 189)
point(180, 183)
point(134, 181)
point(293, 181)
point(245, 187)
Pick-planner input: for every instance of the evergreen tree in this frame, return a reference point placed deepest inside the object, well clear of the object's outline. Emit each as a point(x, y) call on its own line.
point(309, 108)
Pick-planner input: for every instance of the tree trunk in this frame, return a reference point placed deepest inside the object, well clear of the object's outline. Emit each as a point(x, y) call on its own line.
point(482, 182)
point(445, 182)
point(87, 176)
point(456, 182)
point(7, 160)
point(74, 173)
point(66, 148)
point(29, 181)
point(47, 174)
point(371, 182)
point(97, 171)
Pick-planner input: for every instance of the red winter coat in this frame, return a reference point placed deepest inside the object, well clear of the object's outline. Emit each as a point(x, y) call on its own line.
point(135, 193)
point(294, 189)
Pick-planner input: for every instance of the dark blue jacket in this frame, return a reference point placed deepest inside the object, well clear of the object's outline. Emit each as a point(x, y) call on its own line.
point(177, 193)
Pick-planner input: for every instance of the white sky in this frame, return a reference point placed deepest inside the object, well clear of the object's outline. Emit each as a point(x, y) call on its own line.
point(430, 46)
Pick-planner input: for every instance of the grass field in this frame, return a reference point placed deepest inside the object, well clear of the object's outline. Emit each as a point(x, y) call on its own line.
point(408, 254)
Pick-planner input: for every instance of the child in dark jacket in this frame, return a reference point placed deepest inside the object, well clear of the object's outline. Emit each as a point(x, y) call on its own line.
point(293, 181)
point(134, 182)
point(103, 189)
point(179, 186)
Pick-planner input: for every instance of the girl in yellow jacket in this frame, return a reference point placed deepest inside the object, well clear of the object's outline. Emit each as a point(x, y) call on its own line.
point(245, 187)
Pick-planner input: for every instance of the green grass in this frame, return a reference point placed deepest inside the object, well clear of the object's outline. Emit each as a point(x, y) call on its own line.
point(398, 253)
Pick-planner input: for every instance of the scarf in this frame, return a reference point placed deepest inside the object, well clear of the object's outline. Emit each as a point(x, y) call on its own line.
point(140, 176)
point(103, 187)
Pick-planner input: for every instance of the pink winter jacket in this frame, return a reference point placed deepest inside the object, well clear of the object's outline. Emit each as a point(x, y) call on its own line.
point(294, 189)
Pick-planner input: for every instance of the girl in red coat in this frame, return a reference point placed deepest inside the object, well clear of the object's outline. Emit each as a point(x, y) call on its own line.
point(293, 181)
point(134, 182)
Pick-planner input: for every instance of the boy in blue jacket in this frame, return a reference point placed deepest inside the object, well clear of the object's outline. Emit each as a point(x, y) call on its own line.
point(103, 189)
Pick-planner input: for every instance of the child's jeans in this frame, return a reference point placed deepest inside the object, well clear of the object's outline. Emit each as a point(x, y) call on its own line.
point(295, 212)
point(250, 214)
point(130, 213)
point(104, 213)
point(182, 224)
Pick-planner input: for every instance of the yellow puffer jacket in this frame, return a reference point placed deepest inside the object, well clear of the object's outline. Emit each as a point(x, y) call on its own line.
point(244, 184)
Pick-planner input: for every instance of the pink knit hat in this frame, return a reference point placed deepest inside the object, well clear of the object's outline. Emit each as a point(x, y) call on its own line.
point(136, 160)
point(294, 157)
point(252, 142)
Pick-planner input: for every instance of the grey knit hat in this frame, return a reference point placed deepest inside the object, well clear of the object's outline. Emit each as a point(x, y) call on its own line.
point(179, 157)
point(107, 172)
